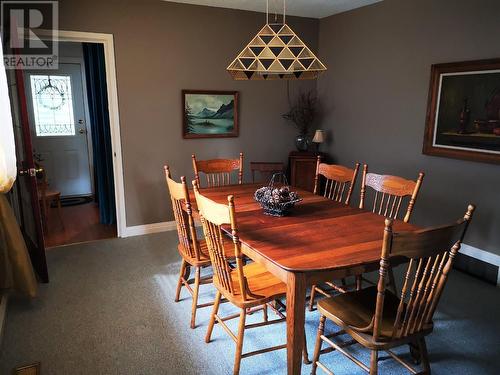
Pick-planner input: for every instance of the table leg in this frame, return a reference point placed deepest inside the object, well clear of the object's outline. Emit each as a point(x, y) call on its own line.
point(295, 319)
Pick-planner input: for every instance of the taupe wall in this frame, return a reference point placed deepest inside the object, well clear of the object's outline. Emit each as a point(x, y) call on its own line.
point(375, 97)
point(162, 48)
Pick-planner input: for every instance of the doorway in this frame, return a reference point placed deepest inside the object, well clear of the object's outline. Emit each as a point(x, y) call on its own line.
point(24, 197)
point(67, 153)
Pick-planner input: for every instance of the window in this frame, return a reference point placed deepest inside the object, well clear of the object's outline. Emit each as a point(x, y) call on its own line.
point(52, 105)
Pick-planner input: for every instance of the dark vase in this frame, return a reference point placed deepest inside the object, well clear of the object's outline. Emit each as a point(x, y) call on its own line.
point(301, 142)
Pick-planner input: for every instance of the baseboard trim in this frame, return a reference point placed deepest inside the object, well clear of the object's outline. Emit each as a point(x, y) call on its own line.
point(482, 255)
point(139, 230)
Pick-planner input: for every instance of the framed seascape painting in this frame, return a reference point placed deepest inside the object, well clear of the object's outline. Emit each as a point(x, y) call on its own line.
point(463, 113)
point(209, 114)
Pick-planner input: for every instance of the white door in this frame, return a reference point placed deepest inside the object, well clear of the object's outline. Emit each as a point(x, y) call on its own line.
point(59, 132)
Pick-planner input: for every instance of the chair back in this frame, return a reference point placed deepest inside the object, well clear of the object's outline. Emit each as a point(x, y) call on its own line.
point(218, 171)
point(390, 191)
point(265, 169)
point(340, 181)
point(213, 216)
point(183, 217)
point(431, 253)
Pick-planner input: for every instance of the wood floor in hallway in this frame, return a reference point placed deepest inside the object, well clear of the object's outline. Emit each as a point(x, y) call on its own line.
point(81, 224)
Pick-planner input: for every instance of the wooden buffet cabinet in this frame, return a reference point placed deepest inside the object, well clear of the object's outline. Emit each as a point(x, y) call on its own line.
point(302, 167)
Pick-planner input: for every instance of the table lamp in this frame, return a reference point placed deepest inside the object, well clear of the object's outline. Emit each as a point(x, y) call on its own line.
point(319, 137)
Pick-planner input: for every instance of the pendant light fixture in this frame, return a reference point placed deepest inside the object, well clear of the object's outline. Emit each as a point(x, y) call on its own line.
point(276, 52)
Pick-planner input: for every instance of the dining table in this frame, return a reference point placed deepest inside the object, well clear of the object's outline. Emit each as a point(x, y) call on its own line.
point(320, 240)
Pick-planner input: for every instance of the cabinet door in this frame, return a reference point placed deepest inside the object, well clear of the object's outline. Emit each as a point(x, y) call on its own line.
point(302, 173)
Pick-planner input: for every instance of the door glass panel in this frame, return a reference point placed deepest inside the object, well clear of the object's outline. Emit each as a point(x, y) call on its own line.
point(52, 105)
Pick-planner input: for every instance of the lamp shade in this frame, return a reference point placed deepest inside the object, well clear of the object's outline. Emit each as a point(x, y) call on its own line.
point(319, 136)
point(7, 148)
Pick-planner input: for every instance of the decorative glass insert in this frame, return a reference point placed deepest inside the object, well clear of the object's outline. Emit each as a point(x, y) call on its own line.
point(52, 105)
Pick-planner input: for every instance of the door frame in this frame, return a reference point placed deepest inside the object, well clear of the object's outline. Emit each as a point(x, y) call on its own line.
point(114, 117)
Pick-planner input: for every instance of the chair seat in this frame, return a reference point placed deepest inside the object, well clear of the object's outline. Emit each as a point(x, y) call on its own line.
point(261, 283)
point(356, 310)
point(204, 255)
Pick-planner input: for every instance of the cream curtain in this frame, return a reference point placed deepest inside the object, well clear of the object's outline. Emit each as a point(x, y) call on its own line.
point(7, 150)
point(16, 271)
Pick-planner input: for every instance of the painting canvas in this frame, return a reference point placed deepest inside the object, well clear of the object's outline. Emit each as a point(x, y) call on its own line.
point(210, 114)
point(463, 119)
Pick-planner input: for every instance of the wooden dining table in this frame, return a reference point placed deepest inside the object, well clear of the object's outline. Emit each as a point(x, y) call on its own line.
point(319, 241)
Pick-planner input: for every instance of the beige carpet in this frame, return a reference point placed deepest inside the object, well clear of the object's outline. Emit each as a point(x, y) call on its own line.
point(109, 310)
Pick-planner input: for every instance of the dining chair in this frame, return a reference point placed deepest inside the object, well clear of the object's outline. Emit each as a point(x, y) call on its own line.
point(389, 194)
point(218, 171)
point(194, 252)
point(338, 183)
point(376, 318)
point(265, 170)
point(47, 196)
point(250, 287)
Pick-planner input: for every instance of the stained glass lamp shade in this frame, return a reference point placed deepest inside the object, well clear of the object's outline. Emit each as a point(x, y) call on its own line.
point(276, 52)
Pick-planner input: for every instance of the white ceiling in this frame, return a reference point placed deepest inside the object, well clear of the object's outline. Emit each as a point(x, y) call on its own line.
point(303, 8)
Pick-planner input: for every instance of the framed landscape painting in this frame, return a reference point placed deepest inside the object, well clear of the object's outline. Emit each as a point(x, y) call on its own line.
point(209, 114)
point(463, 113)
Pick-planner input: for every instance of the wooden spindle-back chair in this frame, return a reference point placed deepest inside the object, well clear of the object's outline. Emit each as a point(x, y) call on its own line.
point(249, 287)
point(265, 170)
point(390, 192)
point(375, 317)
point(194, 252)
point(47, 196)
point(338, 187)
point(218, 171)
point(340, 181)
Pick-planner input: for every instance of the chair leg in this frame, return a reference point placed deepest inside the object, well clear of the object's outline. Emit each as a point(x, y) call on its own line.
point(424, 356)
point(45, 214)
point(359, 282)
point(305, 354)
point(374, 362)
point(196, 288)
point(179, 283)
point(59, 212)
point(319, 342)
point(212, 317)
point(264, 311)
point(239, 343)
point(311, 298)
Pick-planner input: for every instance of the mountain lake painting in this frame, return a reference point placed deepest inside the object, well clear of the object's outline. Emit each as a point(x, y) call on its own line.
point(210, 114)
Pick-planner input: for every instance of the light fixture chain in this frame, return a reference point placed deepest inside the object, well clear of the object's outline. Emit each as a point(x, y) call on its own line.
point(276, 12)
point(284, 11)
point(267, 12)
